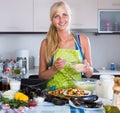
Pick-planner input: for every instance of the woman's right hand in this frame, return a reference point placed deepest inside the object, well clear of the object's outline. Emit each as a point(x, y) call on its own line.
point(59, 64)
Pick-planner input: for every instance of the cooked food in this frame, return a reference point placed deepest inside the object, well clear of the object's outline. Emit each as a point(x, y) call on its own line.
point(57, 92)
point(75, 91)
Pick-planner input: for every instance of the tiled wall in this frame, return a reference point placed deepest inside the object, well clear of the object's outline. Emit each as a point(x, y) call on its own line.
point(105, 48)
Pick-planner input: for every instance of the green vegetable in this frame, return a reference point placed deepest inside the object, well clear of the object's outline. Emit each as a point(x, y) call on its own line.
point(13, 103)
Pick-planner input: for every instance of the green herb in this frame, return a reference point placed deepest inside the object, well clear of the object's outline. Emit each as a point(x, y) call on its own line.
point(13, 103)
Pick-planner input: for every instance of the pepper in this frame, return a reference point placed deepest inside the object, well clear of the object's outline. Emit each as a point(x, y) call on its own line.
point(21, 96)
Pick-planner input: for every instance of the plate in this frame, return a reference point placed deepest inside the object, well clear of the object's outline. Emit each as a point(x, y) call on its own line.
point(87, 93)
point(80, 107)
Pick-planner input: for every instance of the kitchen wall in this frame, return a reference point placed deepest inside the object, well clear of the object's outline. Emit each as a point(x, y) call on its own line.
point(105, 48)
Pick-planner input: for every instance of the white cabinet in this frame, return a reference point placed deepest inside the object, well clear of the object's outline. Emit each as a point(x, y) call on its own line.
point(109, 4)
point(16, 15)
point(84, 14)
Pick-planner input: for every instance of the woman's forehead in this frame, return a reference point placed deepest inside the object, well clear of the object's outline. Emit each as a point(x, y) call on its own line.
point(61, 9)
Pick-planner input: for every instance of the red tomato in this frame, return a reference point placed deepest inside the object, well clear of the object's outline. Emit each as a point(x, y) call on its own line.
point(32, 103)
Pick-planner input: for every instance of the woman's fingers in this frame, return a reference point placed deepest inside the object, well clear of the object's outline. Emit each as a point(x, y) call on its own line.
point(60, 63)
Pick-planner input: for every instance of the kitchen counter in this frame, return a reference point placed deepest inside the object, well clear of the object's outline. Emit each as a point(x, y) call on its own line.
point(34, 71)
point(108, 72)
point(96, 72)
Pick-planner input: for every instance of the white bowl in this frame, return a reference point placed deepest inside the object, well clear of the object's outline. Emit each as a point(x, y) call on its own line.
point(39, 100)
point(86, 84)
point(78, 67)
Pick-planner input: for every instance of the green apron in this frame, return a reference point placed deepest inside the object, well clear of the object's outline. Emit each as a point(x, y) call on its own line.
point(61, 79)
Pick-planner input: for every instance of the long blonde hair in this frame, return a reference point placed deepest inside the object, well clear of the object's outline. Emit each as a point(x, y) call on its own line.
point(52, 40)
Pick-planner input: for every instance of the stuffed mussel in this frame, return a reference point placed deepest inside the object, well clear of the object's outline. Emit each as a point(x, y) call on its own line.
point(86, 101)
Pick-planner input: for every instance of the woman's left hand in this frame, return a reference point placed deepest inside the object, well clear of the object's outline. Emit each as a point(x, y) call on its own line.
point(88, 70)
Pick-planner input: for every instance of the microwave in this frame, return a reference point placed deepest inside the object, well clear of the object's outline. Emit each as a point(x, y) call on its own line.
point(108, 21)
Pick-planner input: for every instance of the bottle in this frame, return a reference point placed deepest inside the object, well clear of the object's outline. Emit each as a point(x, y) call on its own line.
point(5, 79)
point(1, 75)
point(112, 66)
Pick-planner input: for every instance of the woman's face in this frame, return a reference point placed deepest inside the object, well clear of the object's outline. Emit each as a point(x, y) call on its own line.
point(61, 19)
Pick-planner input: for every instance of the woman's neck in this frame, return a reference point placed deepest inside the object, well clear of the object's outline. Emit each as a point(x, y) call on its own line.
point(64, 35)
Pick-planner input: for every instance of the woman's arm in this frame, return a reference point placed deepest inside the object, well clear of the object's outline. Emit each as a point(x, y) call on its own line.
point(86, 47)
point(44, 72)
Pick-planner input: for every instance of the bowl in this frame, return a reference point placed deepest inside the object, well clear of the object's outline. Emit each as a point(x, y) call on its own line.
point(86, 84)
point(39, 100)
point(78, 67)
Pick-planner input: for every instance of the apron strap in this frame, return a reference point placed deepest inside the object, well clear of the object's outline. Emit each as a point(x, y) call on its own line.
point(77, 40)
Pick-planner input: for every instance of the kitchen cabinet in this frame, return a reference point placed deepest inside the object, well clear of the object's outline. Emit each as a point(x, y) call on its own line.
point(84, 14)
point(109, 4)
point(16, 15)
point(41, 15)
point(109, 21)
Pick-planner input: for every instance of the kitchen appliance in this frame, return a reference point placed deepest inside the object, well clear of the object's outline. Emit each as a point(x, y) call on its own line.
point(104, 87)
point(22, 57)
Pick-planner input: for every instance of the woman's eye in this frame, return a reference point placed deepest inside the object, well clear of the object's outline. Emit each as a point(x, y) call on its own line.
point(65, 14)
point(56, 16)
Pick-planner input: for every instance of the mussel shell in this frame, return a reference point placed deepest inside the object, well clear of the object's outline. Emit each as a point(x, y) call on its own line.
point(85, 98)
point(86, 102)
point(58, 101)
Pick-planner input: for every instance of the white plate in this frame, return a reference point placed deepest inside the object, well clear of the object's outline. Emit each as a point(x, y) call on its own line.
point(71, 104)
point(86, 92)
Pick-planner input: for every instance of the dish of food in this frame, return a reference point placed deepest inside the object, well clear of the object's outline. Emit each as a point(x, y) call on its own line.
point(91, 105)
point(76, 92)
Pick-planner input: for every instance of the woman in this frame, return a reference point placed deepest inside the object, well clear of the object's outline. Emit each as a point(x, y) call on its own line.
point(60, 49)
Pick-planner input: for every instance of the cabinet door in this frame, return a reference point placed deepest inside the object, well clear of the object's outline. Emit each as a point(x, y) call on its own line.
point(16, 15)
point(41, 15)
point(84, 14)
point(109, 4)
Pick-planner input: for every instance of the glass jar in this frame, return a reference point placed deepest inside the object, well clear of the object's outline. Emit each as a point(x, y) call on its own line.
point(104, 86)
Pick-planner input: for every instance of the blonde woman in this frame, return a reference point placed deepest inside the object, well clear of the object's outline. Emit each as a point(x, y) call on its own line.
point(60, 48)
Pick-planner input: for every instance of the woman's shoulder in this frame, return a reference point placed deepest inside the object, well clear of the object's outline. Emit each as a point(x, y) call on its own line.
point(84, 40)
point(83, 37)
point(43, 42)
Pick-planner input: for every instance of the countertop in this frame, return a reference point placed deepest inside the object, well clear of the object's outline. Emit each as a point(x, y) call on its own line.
point(35, 71)
point(106, 71)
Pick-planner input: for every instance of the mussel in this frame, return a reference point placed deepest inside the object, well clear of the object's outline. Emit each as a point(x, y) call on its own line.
point(86, 101)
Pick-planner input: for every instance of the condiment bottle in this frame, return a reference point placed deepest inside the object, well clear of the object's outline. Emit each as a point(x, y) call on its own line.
point(116, 95)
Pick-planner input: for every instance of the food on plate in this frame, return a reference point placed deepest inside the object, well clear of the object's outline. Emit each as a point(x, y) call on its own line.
point(58, 91)
point(75, 91)
point(78, 67)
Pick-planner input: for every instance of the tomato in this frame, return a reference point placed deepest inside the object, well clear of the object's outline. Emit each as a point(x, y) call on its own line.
point(32, 103)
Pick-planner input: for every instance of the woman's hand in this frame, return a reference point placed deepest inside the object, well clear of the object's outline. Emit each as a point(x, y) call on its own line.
point(59, 64)
point(88, 70)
